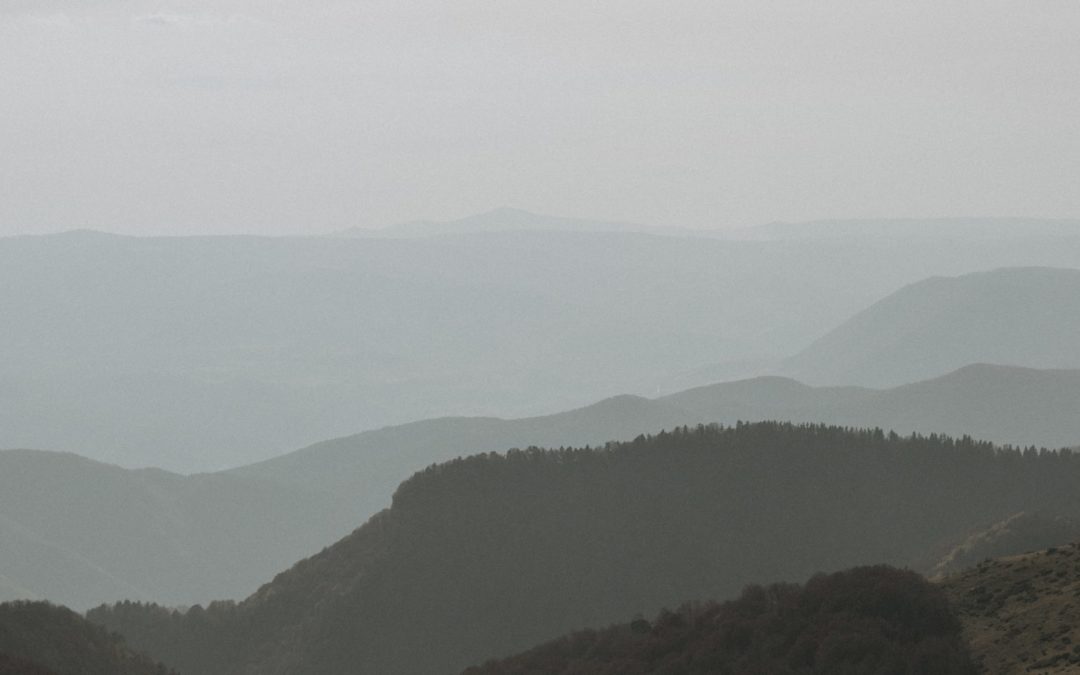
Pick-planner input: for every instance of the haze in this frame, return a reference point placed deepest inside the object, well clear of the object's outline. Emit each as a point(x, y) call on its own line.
point(146, 116)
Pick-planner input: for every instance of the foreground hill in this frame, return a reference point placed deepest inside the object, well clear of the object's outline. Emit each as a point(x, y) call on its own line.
point(1019, 316)
point(489, 555)
point(1020, 613)
point(80, 533)
point(1006, 405)
point(201, 353)
point(42, 639)
point(864, 621)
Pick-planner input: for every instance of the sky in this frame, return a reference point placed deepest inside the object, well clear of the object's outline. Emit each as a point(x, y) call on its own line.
point(282, 116)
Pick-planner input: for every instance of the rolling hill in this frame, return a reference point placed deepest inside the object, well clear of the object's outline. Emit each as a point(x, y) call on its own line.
point(79, 532)
point(1016, 316)
point(1020, 613)
point(186, 539)
point(486, 556)
point(203, 353)
point(1006, 405)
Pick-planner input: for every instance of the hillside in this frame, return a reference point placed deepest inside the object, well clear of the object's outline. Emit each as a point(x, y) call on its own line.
point(1018, 316)
point(864, 621)
point(489, 555)
point(81, 533)
point(202, 353)
point(43, 639)
point(1019, 533)
point(1020, 613)
point(1006, 405)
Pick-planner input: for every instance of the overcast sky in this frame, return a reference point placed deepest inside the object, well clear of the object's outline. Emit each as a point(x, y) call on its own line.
point(280, 116)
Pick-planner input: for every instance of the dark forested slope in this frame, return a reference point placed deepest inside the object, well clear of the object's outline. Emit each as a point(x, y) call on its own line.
point(486, 556)
point(37, 638)
point(864, 621)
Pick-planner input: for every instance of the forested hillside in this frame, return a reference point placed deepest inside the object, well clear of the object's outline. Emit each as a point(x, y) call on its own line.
point(486, 556)
point(865, 621)
point(37, 638)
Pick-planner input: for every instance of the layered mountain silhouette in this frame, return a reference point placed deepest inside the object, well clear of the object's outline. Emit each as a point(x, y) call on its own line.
point(80, 533)
point(1007, 405)
point(201, 353)
point(917, 228)
point(487, 556)
point(503, 219)
point(181, 540)
point(1023, 316)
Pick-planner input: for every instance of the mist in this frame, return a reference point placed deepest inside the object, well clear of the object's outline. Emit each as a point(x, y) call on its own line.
point(145, 116)
point(567, 339)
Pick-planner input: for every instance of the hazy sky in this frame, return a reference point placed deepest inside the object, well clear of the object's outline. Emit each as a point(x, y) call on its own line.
point(287, 116)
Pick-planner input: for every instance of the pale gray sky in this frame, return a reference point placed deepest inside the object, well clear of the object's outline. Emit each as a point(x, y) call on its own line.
point(279, 116)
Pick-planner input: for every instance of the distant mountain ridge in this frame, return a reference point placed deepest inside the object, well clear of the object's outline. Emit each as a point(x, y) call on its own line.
point(1018, 316)
point(503, 219)
point(899, 228)
point(80, 533)
point(230, 350)
point(999, 403)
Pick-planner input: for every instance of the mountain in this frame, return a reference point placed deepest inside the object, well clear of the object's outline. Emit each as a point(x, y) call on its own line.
point(908, 228)
point(1016, 406)
point(71, 535)
point(1020, 613)
point(202, 353)
point(863, 621)
point(503, 219)
point(42, 639)
point(1017, 316)
point(486, 556)
point(81, 533)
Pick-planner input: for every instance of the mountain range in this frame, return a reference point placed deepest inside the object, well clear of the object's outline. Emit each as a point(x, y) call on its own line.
point(1006, 405)
point(201, 353)
point(195, 538)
